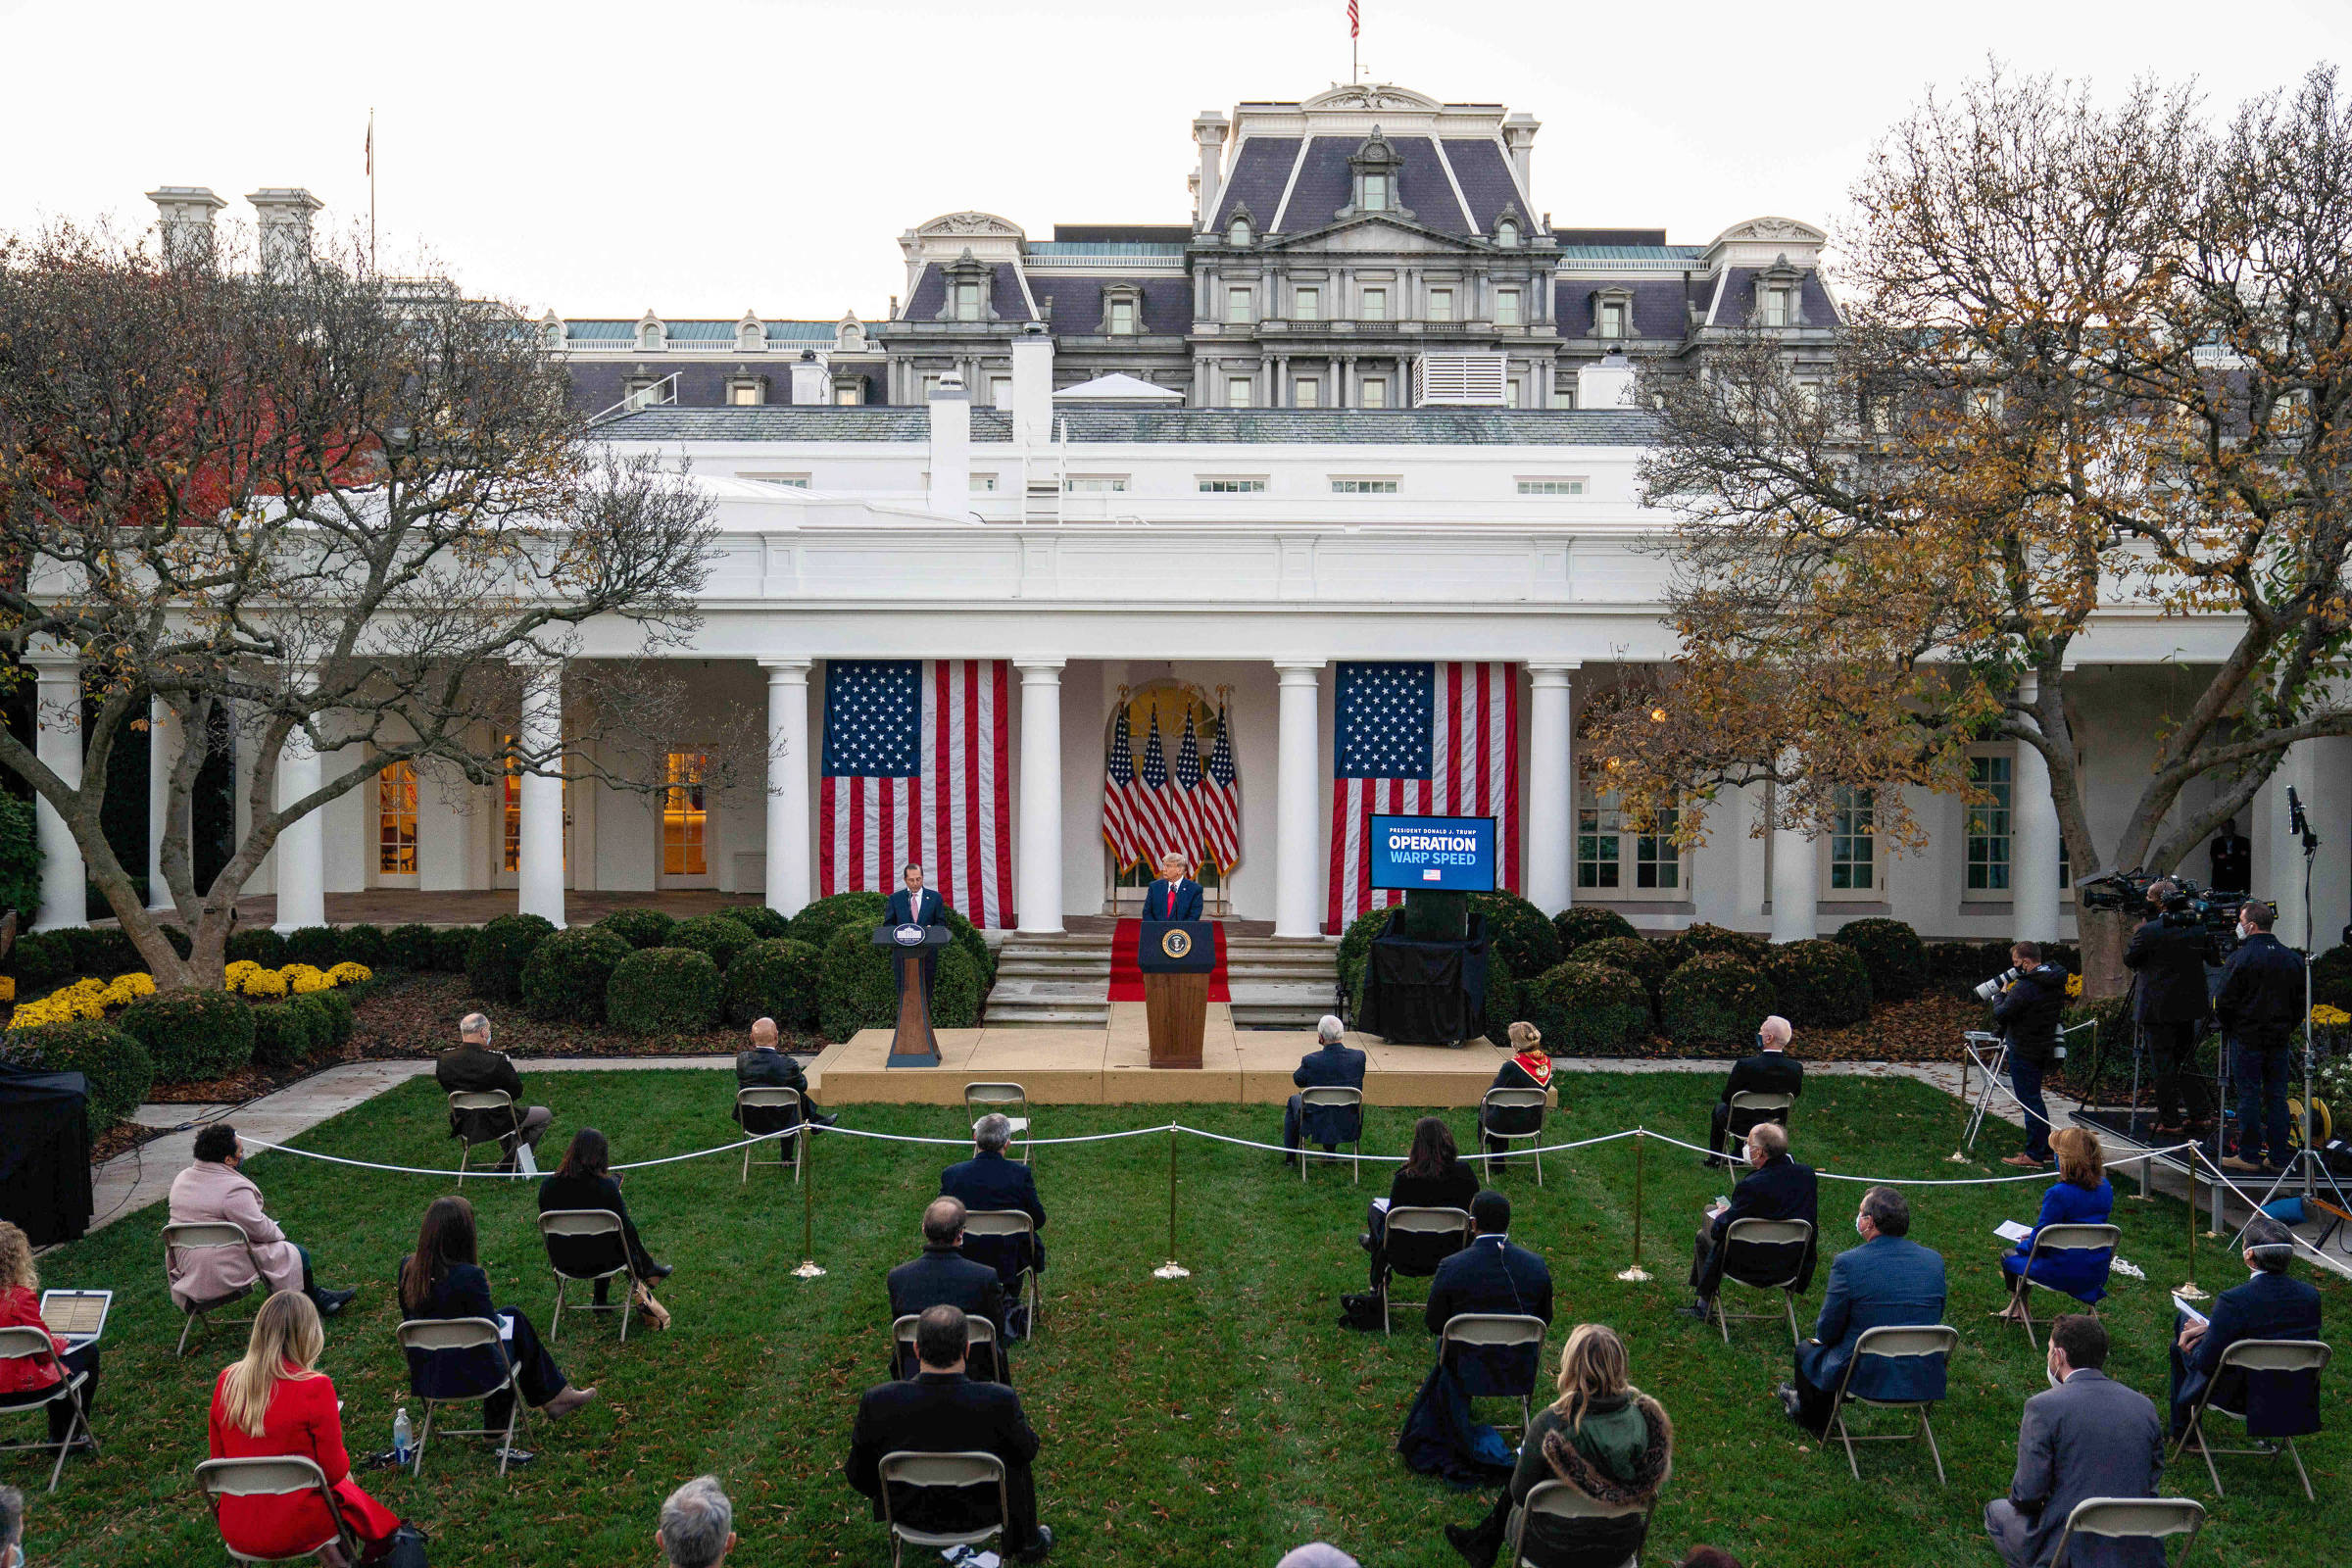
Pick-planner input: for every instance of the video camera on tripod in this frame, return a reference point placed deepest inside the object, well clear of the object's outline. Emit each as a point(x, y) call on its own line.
point(2189, 906)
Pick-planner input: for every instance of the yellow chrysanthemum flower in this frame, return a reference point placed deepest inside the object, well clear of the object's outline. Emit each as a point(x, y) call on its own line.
point(344, 973)
point(302, 978)
point(2329, 1017)
point(262, 983)
point(2074, 985)
point(234, 975)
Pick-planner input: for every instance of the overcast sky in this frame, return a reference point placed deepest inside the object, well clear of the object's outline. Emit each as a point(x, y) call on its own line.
point(699, 157)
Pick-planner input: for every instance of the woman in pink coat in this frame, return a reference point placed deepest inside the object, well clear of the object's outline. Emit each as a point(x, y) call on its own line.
point(214, 1189)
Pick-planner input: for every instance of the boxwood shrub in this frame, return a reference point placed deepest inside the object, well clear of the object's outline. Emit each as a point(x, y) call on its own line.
point(976, 946)
point(257, 944)
point(319, 946)
point(817, 923)
point(1818, 984)
point(1692, 941)
point(118, 1068)
point(773, 979)
point(495, 959)
point(570, 973)
point(1961, 966)
point(192, 1035)
point(2332, 978)
point(362, 943)
point(1580, 923)
point(1506, 1000)
point(1356, 953)
point(720, 936)
point(1587, 1009)
point(857, 991)
point(1714, 1001)
point(283, 1034)
point(1517, 932)
point(320, 1016)
point(1892, 953)
point(410, 947)
point(663, 991)
point(1637, 957)
point(453, 947)
point(20, 859)
point(765, 923)
point(343, 1018)
point(104, 950)
point(640, 928)
point(37, 962)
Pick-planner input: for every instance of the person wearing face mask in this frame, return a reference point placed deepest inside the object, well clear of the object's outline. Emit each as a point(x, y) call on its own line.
point(1888, 1281)
point(2087, 1437)
point(2272, 1305)
point(2259, 1006)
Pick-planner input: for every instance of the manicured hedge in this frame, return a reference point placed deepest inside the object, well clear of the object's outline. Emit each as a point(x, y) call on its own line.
point(495, 959)
point(640, 928)
point(257, 944)
point(773, 979)
point(192, 1035)
point(1587, 1009)
point(37, 962)
point(1517, 932)
point(1818, 984)
point(410, 947)
point(326, 1021)
point(20, 859)
point(1356, 950)
point(765, 923)
point(118, 1068)
point(2332, 978)
point(101, 949)
point(570, 972)
point(718, 935)
point(1637, 957)
point(1506, 1000)
point(857, 990)
point(663, 991)
point(976, 946)
point(1702, 938)
point(343, 1018)
point(1961, 966)
point(1580, 923)
point(317, 946)
point(817, 923)
point(1892, 955)
point(283, 1034)
point(1715, 1000)
point(362, 943)
point(453, 947)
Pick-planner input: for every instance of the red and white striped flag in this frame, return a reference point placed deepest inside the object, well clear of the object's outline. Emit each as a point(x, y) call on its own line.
point(1220, 800)
point(1120, 829)
point(1417, 739)
point(917, 769)
point(1161, 808)
point(1356, 26)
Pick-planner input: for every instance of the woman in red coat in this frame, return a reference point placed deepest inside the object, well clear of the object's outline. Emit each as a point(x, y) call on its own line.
point(277, 1402)
point(21, 1307)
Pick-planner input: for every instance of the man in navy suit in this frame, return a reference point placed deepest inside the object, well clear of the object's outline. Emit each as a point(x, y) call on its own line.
point(988, 1180)
point(916, 905)
point(1492, 1274)
point(1888, 1281)
point(1776, 1187)
point(1770, 1071)
point(2271, 1305)
point(1175, 896)
point(943, 1276)
point(1329, 1065)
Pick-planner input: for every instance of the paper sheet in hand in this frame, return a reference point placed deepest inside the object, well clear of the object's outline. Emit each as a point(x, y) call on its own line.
point(2190, 1313)
point(1381, 1204)
point(2010, 1230)
point(525, 1159)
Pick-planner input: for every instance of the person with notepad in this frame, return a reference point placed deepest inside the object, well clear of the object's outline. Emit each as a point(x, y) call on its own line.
point(2081, 1195)
point(20, 1308)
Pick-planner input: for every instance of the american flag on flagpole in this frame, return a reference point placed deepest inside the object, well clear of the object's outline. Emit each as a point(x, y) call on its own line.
point(917, 769)
point(1157, 810)
point(1186, 788)
point(1354, 21)
point(1220, 802)
point(1120, 829)
point(1419, 739)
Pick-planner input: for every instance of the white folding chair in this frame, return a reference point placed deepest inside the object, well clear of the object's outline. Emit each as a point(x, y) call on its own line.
point(946, 1471)
point(1511, 1099)
point(1010, 1101)
point(2133, 1519)
point(575, 1224)
point(1750, 1106)
point(1424, 1237)
point(1338, 1097)
point(2052, 1240)
point(437, 1336)
point(1785, 1233)
point(2249, 1356)
point(1559, 1501)
point(201, 1235)
point(1013, 1222)
point(1499, 1328)
point(27, 1343)
point(279, 1476)
point(773, 1098)
point(482, 1101)
point(977, 1332)
point(1893, 1342)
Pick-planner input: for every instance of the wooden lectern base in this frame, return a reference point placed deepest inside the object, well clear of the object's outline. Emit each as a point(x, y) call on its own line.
point(913, 1045)
point(1175, 1011)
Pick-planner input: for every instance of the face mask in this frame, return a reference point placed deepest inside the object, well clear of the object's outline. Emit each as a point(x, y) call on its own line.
point(2050, 1373)
point(1858, 1229)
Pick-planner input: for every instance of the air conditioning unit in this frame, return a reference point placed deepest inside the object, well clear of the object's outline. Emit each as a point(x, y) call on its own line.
point(1461, 380)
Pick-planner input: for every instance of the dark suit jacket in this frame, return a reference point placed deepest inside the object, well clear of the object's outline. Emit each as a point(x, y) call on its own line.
point(990, 1181)
point(934, 910)
point(463, 1292)
point(1188, 900)
point(2267, 1307)
point(943, 1276)
point(2260, 1002)
point(1330, 1067)
point(2089, 1437)
point(766, 1067)
point(1888, 1281)
point(941, 1412)
point(1781, 1189)
point(2170, 961)
point(1767, 1072)
point(472, 1069)
point(1492, 1274)
point(588, 1254)
point(2233, 857)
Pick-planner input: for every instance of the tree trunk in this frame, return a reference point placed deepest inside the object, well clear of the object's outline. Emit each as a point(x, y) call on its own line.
point(2105, 933)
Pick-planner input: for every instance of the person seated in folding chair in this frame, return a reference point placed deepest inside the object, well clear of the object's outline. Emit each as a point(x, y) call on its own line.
point(472, 1067)
point(1888, 1281)
point(21, 1380)
point(277, 1402)
point(444, 1278)
point(1776, 1187)
point(698, 1525)
point(763, 1066)
point(2088, 1435)
point(1491, 1275)
point(2081, 1195)
point(1432, 1176)
point(1528, 1068)
point(2271, 1305)
point(988, 1180)
point(214, 1189)
point(1332, 1065)
point(585, 1180)
point(1602, 1437)
point(1770, 1071)
point(941, 1410)
point(943, 1276)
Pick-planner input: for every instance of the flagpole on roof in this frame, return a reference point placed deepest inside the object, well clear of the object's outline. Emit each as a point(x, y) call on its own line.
point(372, 266)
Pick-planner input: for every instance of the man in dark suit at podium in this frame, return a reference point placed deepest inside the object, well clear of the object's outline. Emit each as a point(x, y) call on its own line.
point(1174, 895)
point(916, 905)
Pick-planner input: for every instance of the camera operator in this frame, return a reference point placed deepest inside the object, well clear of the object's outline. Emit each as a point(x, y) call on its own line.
point(2260, 1004)
point(2028, 1012)
point(2168, 1005)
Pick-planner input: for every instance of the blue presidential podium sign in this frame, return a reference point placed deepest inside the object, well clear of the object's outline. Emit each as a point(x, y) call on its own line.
point(1434, 854)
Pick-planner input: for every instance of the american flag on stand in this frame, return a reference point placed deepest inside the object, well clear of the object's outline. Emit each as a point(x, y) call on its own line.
point(917, 769)
point(1187, 782)
point(1419, 739)
point(1218, 807)
point(1120, 829)
point(1165, 820)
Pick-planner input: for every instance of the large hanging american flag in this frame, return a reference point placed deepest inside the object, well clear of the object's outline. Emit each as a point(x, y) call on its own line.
point(917, 769)
point(1419, 740)
point(1120, 828)
point(1220, 802)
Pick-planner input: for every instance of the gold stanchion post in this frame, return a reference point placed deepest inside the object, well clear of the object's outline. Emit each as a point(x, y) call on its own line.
point(2189, 1291)
point(1171, 1269)
point(1636, 1274)
point(808, 1269)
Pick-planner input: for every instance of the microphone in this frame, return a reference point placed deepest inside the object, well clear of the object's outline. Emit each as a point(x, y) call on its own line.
point(2295, 821)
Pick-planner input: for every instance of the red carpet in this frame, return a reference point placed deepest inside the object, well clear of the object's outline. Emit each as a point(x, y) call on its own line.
point(1127, 981)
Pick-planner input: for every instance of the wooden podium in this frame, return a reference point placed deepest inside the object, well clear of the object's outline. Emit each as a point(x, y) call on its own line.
point(912, 949)
point(1176, 958)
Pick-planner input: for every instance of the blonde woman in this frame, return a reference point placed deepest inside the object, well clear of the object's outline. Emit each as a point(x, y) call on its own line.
point(1530, 1067)
point(21, 1307)
point(277, 1402)
point(1603, 1437)
point(2081, 1195)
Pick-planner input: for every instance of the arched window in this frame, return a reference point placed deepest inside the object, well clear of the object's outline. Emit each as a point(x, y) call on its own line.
point(1238, 233)
point(1506, 232)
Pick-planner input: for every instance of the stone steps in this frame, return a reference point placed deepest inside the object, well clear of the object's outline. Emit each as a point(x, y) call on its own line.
point(1277, 982)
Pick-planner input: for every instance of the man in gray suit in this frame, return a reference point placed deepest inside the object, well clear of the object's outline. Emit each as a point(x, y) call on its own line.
point(2088, 1437)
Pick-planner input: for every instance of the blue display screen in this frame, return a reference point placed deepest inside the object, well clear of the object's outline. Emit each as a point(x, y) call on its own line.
point(1448, 854)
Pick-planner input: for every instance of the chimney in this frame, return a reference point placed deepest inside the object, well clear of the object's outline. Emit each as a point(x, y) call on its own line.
point(808, 379)
point(1608, 384)
point(1208, 130)
point(285, 213)
point(1033, 386)
point(951, 447)
point(1519, 136)
point(184, 215)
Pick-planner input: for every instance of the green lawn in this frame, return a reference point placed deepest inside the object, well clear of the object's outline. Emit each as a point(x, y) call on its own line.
point(1221, 1419)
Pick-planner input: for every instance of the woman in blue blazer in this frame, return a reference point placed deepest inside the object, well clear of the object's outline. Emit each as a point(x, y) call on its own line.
point(2081, 1195)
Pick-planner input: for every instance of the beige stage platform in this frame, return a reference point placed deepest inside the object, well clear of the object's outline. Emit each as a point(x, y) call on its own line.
point(1070, 1067)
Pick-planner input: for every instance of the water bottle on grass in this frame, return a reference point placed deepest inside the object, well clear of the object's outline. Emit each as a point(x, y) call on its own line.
point(404, 1438)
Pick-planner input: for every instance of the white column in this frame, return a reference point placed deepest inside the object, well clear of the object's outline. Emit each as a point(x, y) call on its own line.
point(2034, 840)
point(301, 850)
point(1551, 790)
point(1039, 894)
point(164, 742)
point(57, 714)
point(539, 846)
point(1795, 883)
point(1298, 778)
point(787, 784)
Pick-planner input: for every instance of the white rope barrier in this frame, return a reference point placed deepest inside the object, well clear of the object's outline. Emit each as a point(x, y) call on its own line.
point(2253, 1204)
point(514, 1175)
point(1935, 1181)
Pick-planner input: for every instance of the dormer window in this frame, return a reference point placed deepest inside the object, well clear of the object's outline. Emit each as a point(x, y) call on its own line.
point(967, 289)
point(1613, 312)
point(1122, 317)
point(1375, 192)
point(1122, 310)
point(749, 337)
point(1780, 295)
point(1238, 232)
point(1506, 233)
point(1374, 170)
point(967, 302)
point(650, 336)
point(1780, 307)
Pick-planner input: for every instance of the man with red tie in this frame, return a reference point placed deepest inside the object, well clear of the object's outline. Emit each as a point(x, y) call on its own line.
point(1175, 896)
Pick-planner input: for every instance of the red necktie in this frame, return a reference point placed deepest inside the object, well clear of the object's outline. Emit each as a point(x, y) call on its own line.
point(1171, 915)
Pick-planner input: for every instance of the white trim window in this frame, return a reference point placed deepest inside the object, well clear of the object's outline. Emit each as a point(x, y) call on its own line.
point(1506, 308)
point(1550, 485)
point(1613, 316)
point(967, 301)
point(1236, 306)
point(1121, 322)
point(1373, 305)
point(1988, 827)
point(1094, 484)
point(1362, 485)
point(984, 484)
point(1441, 304)
point(1306, 392)
point(1240, 392)
point(1852, 844)
point(1224, 485)
point(747, 391)
point(790, 482)
point(1306, 303)
point(1627, 859)
point(396, 825)
point(1372, 392)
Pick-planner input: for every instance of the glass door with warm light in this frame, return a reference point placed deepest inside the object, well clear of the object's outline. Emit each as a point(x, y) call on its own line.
point(689, 850)
point(396, 826)
point(506, 865)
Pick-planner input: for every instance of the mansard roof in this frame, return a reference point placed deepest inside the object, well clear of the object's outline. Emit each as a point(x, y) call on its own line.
point(1077, 302)
point(1261, 172)
point(1107, 426)
point(1005, 296)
